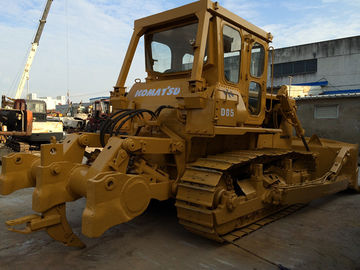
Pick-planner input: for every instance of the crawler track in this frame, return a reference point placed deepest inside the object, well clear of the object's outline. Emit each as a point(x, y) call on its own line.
point(198, 200)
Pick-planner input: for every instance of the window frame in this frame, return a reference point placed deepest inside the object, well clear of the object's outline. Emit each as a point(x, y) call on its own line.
point(260, 94)
point(263, 66)
point(279, 67)
point(256, 118)
point(222, 52)
point(335, 106)
point(148, 52)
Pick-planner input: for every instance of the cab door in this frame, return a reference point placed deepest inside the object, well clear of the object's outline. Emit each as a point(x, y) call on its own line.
point(229, 90)
point(255, 78)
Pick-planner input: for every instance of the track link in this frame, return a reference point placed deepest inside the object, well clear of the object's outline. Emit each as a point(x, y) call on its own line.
point(235, 235)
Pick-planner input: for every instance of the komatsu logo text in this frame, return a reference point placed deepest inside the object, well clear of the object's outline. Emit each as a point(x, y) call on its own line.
point(168, 91)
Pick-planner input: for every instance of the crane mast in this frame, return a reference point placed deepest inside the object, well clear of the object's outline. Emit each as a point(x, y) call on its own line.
point(34, 46)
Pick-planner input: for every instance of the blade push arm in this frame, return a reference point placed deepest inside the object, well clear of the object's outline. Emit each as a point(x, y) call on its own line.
point(288, 109)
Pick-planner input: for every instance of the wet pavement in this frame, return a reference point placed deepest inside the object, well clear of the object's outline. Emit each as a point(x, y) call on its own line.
point(323, 235)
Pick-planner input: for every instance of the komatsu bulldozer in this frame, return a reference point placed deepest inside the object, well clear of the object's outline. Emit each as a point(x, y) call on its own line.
point(201, 129)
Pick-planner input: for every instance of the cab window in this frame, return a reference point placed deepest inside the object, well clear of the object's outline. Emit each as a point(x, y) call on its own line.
point(36, 107)
point(232, 52)
point(257, 60)
point(254, 98)
point(161, 52)
point(172, 50)
point(187, 61)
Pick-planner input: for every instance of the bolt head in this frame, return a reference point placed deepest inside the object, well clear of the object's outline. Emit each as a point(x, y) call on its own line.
point(56, 169)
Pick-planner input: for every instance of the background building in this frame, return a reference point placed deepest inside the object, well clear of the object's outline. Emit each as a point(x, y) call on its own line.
point(325, 79)
point(331, 116)
point(328, 67)
point(50, 102)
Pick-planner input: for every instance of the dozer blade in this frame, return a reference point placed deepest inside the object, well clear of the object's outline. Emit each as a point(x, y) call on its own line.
point(53, 221)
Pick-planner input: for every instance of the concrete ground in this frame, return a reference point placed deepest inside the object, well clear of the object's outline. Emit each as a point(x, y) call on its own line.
point(323, 235)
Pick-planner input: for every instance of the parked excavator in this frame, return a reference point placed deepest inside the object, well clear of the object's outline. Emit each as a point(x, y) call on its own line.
point(24, 124)
point(201, 129)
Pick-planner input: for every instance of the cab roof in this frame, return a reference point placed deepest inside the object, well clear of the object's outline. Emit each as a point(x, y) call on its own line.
point(191, 10)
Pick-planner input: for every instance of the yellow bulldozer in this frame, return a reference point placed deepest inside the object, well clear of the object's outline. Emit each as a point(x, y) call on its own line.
point(201, 129)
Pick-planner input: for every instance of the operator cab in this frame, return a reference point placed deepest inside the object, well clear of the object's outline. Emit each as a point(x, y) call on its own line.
point(38, 108)
point(211, 54)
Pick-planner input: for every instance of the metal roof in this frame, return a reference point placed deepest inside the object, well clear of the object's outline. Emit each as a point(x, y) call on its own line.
point(351, 95)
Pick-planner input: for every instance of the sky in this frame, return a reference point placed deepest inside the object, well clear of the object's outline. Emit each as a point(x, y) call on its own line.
point(84, 41)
